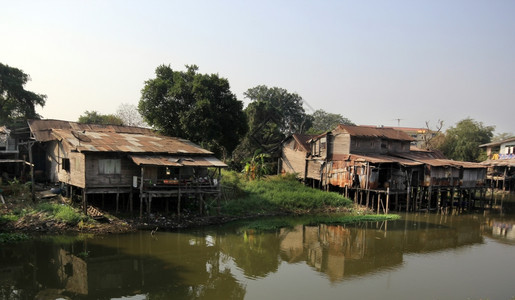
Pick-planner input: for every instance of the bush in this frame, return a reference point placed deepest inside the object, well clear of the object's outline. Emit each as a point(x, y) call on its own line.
point(61, 212)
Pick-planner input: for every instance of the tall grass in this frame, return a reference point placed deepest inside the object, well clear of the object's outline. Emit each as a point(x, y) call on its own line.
point(279, 193)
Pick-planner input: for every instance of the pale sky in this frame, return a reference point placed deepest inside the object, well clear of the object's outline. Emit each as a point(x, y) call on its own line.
point(371, 61)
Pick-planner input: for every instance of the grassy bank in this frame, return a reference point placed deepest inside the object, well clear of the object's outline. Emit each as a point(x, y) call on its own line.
point(276, 194)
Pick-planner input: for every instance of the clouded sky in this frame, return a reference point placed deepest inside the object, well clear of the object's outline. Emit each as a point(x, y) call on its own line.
point(373, 62)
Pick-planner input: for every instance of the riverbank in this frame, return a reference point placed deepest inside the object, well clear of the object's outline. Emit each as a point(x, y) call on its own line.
point(274, 196)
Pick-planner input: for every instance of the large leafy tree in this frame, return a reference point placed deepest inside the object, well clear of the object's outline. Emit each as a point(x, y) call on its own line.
point(93, 117)
point(198, 107)
point(272, 114)
point(16, 102)
point(462, 141)
point(324, 121)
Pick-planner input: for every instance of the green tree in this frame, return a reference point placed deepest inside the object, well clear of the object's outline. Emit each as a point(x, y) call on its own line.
point(462, 141)
point(16, 102)
point(198, 107)
point(324, 121)
point(272, 114)
point(93, 117)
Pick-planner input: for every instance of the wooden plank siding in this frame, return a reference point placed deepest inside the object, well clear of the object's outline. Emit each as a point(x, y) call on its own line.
point(95, 177)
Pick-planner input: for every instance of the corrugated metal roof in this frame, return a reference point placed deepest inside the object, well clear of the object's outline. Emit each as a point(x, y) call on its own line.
point(435, 160)
point(498, 143)
point(499, 163)
point(303, 140)
point(376, 158)
point(42, 129)
point(386, 133)
point(176, 161)
point(86, 141)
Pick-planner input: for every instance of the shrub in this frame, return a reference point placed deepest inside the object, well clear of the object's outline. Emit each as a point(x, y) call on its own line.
point(61, 212)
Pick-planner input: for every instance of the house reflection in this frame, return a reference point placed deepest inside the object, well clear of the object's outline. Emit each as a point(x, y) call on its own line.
point(216, 264)
point(341, 251)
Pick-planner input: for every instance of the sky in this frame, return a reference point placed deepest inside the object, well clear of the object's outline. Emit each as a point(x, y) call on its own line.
point(374, 62)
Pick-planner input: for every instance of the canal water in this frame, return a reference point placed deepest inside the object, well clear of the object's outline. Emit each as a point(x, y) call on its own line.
point(420, 256)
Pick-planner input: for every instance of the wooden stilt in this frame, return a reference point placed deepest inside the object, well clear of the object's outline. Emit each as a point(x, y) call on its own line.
point(131, 201)
point(149, 207)
point(117, 200)
point(179, 205)
point(84, 201)
point(378, 201)
point(388, 197)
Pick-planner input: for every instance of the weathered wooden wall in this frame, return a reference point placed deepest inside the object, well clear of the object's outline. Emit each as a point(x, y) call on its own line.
point(340, 144)
point(293, 161)
point(127, 171)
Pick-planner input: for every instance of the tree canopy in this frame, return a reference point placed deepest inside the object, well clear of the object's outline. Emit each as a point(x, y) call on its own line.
point(272, 114)
point(462, 141)
point(198, 107)
point(93, 117)
point(15, 101)
point(323, 121)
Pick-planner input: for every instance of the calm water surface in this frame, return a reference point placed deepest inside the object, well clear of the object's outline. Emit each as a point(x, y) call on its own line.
point(421, 256)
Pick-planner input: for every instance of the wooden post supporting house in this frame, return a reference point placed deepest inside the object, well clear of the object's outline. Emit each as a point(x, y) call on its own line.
point(32, 191)
point(84, 201)
point(141, 193)
point(388, 198)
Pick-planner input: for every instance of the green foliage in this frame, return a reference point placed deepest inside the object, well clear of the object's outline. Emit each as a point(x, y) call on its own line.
point(12, 237)
point(462, 141)
point(9, 218)
point(15, 102)
point(279, 193)
point(324, 121)
point(93, 117)
point(272, 114)
point(257, 167)
point(61, 212)
point(198, 107)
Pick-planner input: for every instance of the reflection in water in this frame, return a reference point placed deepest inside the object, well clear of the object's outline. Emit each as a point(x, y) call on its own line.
point(219, 264)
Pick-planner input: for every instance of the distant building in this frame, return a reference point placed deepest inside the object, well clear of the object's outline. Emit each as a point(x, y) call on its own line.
point(501, 163)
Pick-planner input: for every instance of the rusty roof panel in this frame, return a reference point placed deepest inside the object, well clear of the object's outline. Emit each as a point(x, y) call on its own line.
point(434, 160)
point(176, 161)
point(303, 140)
point(386, 133)
point(116, 142)
point(42, 129)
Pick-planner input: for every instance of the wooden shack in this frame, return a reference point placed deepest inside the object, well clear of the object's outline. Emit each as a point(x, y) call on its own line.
point(108, 159)
point(372, 164)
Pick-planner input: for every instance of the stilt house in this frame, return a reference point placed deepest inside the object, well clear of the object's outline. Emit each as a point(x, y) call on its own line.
point(501, 164)
point(109, 159)
point(357, 159)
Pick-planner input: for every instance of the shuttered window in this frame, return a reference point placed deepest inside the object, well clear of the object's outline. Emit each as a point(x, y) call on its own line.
point(109, 166)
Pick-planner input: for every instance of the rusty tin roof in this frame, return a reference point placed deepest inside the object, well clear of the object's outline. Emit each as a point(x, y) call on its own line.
point(175, 161)
point(385, 133)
